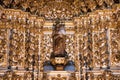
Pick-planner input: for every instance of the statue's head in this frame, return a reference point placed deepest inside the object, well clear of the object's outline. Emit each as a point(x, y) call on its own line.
point(57, 21)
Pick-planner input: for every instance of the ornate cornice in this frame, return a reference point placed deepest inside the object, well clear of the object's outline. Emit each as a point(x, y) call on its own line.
point(64, 9)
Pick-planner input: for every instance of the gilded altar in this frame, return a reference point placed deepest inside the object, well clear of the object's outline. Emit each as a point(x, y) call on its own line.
point(91, 41)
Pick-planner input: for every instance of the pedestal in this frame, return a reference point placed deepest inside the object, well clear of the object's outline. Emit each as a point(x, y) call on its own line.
point(59, 63)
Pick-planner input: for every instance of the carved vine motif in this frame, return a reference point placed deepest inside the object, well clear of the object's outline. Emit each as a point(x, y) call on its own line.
point(47, 44)
point(115, 47)
point(70, 44)
point(11, 75)
point(101, 48)
point(16, 48)
point(32, 50)
point(3, 45)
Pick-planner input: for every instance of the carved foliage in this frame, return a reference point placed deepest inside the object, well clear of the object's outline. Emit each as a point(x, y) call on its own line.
point(47, 44)
point(115, 47)
point(16, 48)
point(32, 49)
point(3, 46)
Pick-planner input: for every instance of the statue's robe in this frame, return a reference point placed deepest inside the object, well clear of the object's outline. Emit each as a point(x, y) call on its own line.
point(59, 41)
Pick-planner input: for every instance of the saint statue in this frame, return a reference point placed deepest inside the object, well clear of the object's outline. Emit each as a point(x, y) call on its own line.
point(58, 36)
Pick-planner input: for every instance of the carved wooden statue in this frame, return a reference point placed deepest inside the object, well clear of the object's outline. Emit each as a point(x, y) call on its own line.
point(58, 39)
